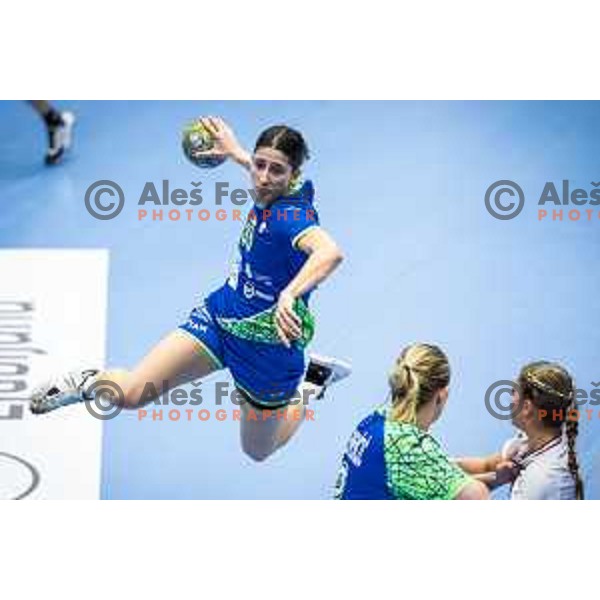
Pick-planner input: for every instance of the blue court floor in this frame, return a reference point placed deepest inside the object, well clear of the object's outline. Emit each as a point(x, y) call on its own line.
point(401, 186)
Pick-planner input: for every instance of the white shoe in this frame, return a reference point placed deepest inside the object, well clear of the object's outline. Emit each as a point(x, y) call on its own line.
point(60, 138)
point(324, 371)
point(61, 391)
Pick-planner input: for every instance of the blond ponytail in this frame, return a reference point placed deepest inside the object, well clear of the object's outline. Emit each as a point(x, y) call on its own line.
point(418, 373)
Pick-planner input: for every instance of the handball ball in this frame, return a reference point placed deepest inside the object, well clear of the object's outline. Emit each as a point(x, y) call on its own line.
point(197, 138)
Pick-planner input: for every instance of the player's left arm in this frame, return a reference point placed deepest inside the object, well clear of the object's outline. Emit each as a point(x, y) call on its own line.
point(324, 256)
point(479, 465)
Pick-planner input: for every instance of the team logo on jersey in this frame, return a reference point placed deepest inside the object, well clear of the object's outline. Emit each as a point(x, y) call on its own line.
point(247, 236)
point(357, 444)
point(249, 290)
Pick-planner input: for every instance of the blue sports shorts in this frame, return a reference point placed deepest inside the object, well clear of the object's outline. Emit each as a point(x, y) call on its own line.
point(269, 374)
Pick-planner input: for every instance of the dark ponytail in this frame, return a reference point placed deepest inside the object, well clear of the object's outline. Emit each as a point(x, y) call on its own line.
point(286, 140)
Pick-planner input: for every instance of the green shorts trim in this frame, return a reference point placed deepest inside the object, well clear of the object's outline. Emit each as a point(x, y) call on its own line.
point(260, 404)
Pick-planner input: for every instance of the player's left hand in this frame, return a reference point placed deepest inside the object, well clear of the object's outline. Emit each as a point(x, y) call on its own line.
point(506, 472)
point(287, 322)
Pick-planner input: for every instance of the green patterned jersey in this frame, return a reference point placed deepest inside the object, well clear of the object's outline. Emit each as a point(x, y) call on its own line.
point(387, 459)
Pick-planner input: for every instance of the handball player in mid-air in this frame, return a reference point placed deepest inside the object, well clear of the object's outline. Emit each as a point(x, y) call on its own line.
point(258, 323)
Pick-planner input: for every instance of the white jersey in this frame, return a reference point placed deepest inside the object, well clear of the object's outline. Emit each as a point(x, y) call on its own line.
point(544, 473)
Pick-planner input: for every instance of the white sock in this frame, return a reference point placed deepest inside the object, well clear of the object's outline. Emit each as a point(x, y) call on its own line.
point(87, 384)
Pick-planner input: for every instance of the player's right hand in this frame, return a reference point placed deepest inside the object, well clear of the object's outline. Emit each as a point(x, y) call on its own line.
point(225, 142)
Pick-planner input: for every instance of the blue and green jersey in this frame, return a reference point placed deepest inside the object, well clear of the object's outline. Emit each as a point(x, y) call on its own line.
point(269, 259)
point(389, 460)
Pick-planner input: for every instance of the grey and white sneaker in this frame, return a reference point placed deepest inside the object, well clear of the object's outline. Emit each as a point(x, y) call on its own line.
point(63, 390)
point(324, 371)
point(60, 137)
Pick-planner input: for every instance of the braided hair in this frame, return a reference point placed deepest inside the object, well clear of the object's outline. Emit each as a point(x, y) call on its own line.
point(551, 388)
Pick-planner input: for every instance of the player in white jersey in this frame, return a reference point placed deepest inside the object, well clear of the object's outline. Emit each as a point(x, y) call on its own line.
point(541, 461)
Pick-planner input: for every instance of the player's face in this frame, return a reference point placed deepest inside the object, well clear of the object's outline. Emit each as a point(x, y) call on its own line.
point(271, 174)
point(440, 403)
point(517, 409)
